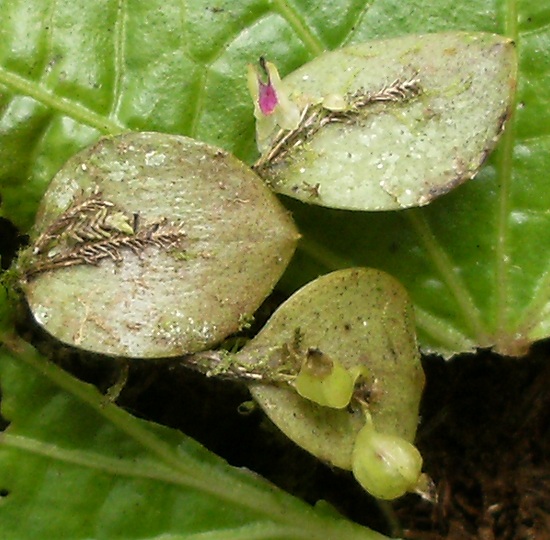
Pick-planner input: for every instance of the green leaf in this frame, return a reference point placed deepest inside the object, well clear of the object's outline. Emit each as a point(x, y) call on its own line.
point(73, 465)
point(361, 318)
point(146, 245)
point(475, 261)
point(388, 124)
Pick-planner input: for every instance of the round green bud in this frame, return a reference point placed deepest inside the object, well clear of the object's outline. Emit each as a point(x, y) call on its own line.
point(387, 466)
point(324, 380)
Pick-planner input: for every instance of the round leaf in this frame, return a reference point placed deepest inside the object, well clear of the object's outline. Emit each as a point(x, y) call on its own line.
point(153, 245)
point(362, 318)
point(391, 124)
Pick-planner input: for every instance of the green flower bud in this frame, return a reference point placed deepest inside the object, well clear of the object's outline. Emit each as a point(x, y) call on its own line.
point(324, 380)
point(387, 466)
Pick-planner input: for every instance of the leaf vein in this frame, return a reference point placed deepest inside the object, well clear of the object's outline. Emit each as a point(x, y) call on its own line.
point(91, 460)
point(296, 21)
point(533, 313)
point(199, 101)
point(530, 138)
point(443, 332)
point(504, 172)
point(78, 112)
point(360, 16)
point(119, 40)
point(444, 266)
point(535, 31)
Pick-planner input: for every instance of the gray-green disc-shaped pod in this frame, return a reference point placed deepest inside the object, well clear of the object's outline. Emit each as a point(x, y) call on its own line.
point(360, 317)
point(432, 109)
point(154, 245)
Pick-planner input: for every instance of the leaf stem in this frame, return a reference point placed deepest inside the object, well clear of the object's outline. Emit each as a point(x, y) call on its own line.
point(323, 255)
point(391, 517)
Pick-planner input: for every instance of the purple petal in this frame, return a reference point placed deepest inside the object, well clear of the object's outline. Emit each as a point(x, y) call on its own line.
point(267, 97)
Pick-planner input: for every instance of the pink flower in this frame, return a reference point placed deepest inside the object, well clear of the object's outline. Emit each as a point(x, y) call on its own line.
point(273, 108)
point(267, 95)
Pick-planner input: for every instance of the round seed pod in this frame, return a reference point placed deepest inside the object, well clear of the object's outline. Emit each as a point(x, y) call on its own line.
point(153, 245)
point(387, 466)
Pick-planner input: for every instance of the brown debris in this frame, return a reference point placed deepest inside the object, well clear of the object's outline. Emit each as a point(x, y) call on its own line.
point(94, 229)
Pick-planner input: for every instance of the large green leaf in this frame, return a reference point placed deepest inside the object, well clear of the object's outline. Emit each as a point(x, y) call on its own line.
point(73, 465)
point(475, 262)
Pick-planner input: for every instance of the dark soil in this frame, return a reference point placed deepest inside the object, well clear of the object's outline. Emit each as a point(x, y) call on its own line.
point(484, 436)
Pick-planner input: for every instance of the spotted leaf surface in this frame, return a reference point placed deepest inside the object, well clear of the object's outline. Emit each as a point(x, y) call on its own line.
point(152, 245)
point(391, 124)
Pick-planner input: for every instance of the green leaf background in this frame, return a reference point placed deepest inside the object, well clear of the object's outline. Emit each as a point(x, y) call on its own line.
point(475, 262)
